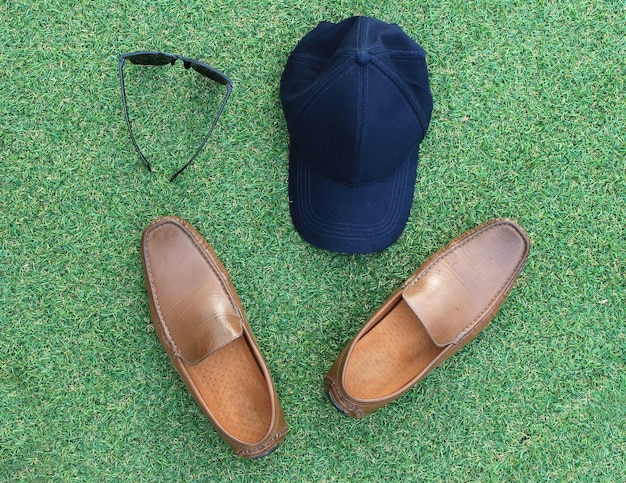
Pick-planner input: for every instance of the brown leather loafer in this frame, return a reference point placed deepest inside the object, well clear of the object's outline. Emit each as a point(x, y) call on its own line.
point(443, 306)
point(202, 326)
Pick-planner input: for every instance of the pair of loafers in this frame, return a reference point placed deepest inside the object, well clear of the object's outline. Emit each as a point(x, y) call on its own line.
point(202, 326)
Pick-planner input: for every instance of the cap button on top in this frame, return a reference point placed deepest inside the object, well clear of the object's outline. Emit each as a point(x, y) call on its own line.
point(362, 58)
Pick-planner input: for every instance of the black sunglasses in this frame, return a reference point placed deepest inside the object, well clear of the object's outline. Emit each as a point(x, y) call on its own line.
point(161, 58)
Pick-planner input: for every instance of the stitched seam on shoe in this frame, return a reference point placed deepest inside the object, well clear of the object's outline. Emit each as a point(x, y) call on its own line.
point(267, 444)
point(342, 357)
point(351, 406)
point(170, 339)
point(473, 323)
point(356, 408)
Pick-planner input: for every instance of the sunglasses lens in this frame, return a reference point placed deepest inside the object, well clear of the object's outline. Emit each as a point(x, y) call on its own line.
point(210, 73)
point(151, 58)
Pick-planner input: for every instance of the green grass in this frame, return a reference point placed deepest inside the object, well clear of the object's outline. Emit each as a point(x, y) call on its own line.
point(529, 122)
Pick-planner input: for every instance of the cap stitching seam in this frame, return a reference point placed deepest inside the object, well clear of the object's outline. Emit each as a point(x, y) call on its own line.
point(308, 60)
point(304, 103)
point(406, 92)
point(379, 227)
point(361, 115)
point(334, 229)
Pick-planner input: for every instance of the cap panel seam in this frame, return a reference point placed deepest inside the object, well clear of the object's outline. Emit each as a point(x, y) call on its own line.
point(381, 49)
point(405, 91)
point(308, 60)
point(360, 124)
point(304, 103)
point(406, 54)
point(362, 107)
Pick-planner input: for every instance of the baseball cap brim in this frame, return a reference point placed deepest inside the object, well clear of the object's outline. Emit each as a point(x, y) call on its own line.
point(357, 219)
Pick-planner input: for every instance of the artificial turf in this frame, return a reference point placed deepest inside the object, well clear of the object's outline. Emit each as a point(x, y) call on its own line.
point(529, 123)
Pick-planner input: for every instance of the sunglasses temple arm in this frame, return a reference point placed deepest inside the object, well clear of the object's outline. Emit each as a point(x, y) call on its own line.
point(130, 129)
point(206, 138)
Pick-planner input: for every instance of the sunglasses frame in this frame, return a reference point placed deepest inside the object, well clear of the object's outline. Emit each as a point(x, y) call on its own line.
point(165, 58)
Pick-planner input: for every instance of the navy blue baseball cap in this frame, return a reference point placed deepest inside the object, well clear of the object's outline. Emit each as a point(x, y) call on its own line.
point(357, 102)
